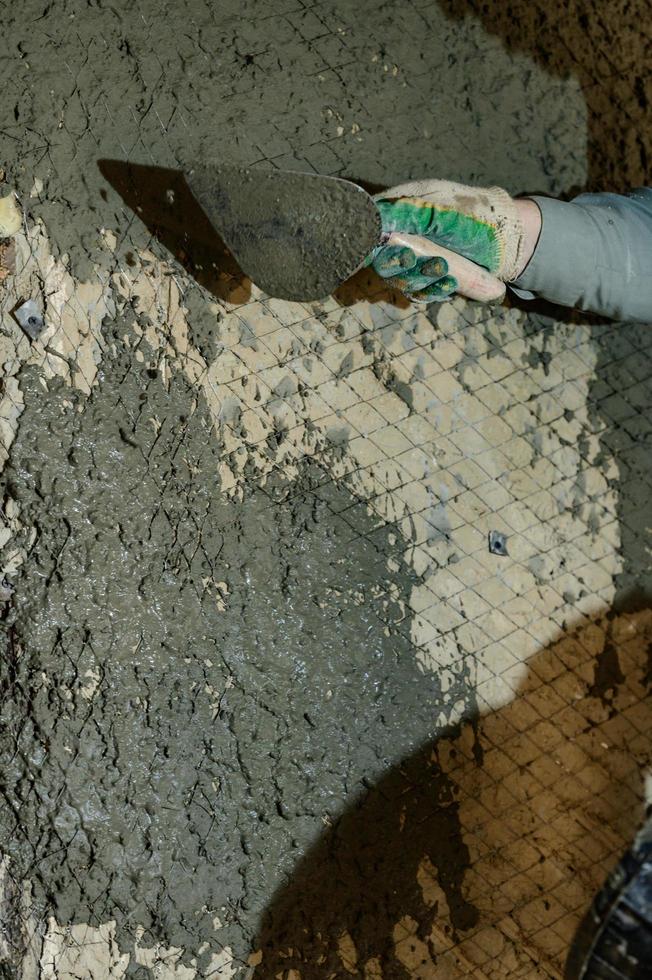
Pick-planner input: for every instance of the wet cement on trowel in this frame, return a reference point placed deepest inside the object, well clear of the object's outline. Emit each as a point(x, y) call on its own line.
point(195, 689)
point(297, 236)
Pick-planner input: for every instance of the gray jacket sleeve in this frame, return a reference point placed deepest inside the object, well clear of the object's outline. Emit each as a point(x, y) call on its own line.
point(594, 253)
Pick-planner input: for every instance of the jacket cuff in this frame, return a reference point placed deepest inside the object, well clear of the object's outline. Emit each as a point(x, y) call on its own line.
point(564, 259)
point(594, 253)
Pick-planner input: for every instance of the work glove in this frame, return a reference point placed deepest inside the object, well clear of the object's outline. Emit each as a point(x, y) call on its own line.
point(440, 238)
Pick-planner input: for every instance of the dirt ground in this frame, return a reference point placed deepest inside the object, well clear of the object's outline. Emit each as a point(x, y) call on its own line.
point(270, 708)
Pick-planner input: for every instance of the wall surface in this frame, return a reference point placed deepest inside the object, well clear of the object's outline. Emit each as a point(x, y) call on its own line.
point(270, 707)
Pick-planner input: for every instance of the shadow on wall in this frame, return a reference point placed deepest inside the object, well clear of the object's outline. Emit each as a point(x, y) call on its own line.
point(491, 820)
point(607, 47)
point(164, 203)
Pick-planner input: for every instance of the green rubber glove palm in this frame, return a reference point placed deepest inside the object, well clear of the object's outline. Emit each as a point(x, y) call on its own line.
point(443, 238)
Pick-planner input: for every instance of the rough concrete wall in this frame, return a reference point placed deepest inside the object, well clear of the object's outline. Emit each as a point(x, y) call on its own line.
point(270, 706)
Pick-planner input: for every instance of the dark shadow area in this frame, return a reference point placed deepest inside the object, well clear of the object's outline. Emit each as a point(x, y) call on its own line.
point(365, 286)
point(540, 310)
point(606, 46)
point(162, 200)
point(362, 877)
point(367, 873)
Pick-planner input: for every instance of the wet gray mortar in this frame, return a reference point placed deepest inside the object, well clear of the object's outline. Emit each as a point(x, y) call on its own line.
point(159, 797)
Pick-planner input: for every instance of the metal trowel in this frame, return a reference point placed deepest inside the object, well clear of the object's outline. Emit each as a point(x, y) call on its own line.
point(298, 236)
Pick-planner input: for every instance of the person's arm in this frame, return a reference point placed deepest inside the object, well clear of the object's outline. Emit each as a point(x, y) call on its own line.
point(593, 253)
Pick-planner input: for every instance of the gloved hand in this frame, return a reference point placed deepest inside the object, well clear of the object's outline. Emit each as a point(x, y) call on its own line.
point(444, 237)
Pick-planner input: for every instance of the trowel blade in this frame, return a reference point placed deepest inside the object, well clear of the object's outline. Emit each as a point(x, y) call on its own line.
point(297, 236)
